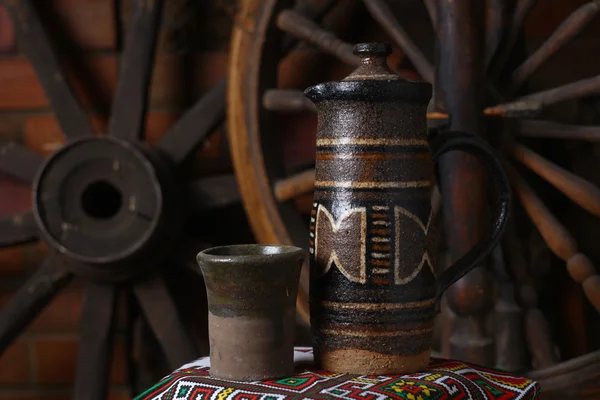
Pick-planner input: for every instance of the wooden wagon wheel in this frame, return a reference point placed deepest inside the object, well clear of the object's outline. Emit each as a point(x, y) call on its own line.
point(254, 99)
point(110, 207)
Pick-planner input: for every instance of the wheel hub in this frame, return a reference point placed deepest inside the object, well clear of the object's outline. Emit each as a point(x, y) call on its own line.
point(100, 200)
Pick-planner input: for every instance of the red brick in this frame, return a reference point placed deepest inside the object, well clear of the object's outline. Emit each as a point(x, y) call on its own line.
point(32, 394)
point(118, 367)
point(121, 319)
point(157, 124)
point(56, 359)
point(300, 138)
point(45, 126)
point(209, 69)
point(91, 24)
point(35, 254)
point(304, 203)
point(20, 88)
point(16, 196)
point(301, 69)
point(168, 80)
point(546, 16)
point(14, 364)
point(62, 314)
point(43, 134)
point(213, 157)
point(119, 394)
point(11, 126)
point(7, 32)
point(12, 260)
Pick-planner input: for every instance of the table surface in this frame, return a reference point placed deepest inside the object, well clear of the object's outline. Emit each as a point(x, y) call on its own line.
point(443, 379)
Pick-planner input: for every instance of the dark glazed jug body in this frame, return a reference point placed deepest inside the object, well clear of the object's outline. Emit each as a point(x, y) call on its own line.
point(373, 290)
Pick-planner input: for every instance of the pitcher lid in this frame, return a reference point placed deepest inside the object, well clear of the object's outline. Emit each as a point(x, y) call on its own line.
point(372, 80)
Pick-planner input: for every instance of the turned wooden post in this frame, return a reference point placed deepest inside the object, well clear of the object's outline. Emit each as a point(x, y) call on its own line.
point(511, 353)
point(458, 92)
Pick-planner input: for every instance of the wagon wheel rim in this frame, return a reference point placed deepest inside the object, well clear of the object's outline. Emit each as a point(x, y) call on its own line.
point(138, 181)
point(249, 99)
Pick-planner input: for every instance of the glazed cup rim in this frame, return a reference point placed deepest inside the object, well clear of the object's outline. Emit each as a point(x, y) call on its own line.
point(237, 252)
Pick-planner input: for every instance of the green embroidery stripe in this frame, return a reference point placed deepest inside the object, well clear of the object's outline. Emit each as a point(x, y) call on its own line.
point(159, 384)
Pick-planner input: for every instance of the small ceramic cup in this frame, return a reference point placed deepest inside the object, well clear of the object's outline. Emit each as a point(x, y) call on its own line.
point(251, 309)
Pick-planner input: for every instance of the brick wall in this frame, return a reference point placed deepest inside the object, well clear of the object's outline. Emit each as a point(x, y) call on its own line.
point(41, 363)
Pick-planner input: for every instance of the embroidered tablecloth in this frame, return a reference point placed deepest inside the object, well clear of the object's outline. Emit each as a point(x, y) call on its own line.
point(443, 379)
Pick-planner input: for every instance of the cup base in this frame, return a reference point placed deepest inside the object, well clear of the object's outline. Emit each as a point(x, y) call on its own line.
point(251, 348)
point(252, 378)
point(365, 362)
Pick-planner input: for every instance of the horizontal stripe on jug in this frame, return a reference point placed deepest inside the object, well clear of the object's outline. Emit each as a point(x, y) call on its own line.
point(376, 306)
point(370, 170)
point(372, 156)
point(393, 345)
point(371, 142)
point(365, 196)
point(339, 332)
point(372, 185)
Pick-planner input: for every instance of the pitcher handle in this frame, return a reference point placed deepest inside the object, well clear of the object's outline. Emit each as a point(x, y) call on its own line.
point(451, 140)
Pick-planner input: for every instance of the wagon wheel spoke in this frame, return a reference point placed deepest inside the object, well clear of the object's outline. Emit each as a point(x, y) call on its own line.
point(557, 380)
point(287, 100)
point(18, 161)
point(129, 106)
point(95, 341)
point(558, 238)
point(31, 298)
point(510, 339)
point(161, 314)
point(522, 9)
point(382, 13)
point(548, 129)
point(191, 129)
point(313, 11)
point(297, 25)
point(535, 102)
point(432, 11)
point(18, 229)
point(582, 192)
point(295, 185)
point(494, 27)
point(34, 42)
point(537, 331)
point(213, 192)
point(572, 26)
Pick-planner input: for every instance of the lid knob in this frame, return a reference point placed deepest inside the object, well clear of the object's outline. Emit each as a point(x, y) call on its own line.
point(372, 50)
point(373, 62)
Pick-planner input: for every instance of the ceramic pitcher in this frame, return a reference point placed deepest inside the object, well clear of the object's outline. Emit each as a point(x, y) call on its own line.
point(373, 289)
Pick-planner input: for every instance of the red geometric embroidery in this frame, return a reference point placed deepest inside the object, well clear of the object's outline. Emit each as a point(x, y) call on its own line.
point(200, 392)
point(244, 396)
point(443, 380)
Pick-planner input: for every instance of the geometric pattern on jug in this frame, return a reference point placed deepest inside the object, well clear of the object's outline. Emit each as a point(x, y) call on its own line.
point(331, 237)
point(375, 244)
point(418, 242)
